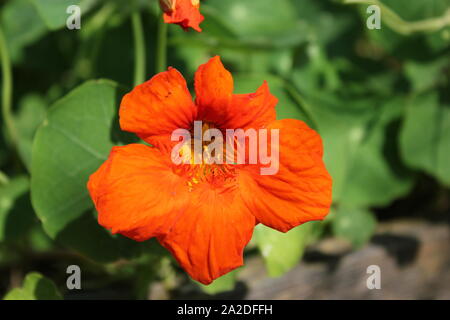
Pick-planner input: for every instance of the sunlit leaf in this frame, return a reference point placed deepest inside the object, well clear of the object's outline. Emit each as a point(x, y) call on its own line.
point(355, 225)
point(74, 140)
point(281, 251)
point(425, 137)
point(35, 287)
point(222, 284)
point(31, 113)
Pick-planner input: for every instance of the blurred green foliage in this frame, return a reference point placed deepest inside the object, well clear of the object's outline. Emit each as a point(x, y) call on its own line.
point(379, 98)
point(35, 287)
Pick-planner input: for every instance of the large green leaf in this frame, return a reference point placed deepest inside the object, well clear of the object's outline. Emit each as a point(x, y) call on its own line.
point(31, 113)
point(343, 126)
point(35, 287)
point(360, 150)
point(282, 251)
point(72, 143)
point(425, 136)
point(376, 175)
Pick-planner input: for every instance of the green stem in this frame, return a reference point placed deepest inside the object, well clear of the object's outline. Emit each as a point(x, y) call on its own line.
point(7, 89)
point(139, 49)
point(395, 22)
point(161, 47)
point(301, 102)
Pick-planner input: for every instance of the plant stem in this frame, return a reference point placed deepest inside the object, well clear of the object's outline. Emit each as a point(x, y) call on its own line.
point(296, 96)
point(7, 89)
point(139, 49)
point(161, 47)
point(395, 22)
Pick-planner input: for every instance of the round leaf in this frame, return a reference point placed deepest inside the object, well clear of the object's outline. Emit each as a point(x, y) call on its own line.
point(74, 140)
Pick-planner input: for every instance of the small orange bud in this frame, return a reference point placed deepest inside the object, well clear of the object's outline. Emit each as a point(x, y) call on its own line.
point(185, 13)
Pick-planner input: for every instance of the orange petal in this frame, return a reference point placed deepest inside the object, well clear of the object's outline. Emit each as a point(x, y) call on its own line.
point(217, 103)
point(300, 191)
point(214, 90)
point(185, 13)
point(136, 193)
point(157, 107)
point(209, 240)
point(253, 110)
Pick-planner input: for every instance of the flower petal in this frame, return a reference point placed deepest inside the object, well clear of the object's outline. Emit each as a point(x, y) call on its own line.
point(186, 13)
point(136, 192)
point(301, 189)
point(253, 110)
point(217, 103)
point(214, 90)
point(157, 107)
point(209, 240)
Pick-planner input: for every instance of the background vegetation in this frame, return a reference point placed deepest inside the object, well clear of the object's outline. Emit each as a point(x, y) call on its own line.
point(379, 98)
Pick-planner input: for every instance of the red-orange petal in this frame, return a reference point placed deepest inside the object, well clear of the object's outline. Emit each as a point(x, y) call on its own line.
point(157, 107)
point(301, 189)
point(217, 103)
point(214, 90)
point(185, 13)
point(209, 240)
point(136, 192)
point(253, 110)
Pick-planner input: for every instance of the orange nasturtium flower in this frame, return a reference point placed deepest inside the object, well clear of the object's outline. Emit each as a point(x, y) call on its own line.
point(185, 13)
point(204, 214)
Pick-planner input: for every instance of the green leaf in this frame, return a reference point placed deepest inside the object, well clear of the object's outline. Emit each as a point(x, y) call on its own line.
point(31, 113)
point(74, 140)
point(35, 287)
point(258, 22)
point(222, 284)
point(321, 22)
point(16, 215)
point(281, 251)
point(376, 175)
point(424, 76)
point(53, 12)
point(355, 225)
point(342, 126)
point(425, 136)
point(22, 26)
point(360, 146)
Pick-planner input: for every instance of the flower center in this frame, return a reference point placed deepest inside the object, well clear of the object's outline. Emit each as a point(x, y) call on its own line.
point(204, 157)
